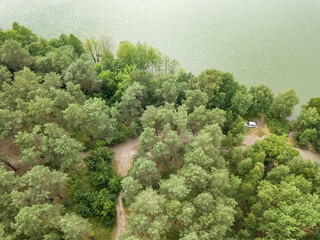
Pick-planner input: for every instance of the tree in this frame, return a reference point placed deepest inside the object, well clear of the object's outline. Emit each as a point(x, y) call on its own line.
point(93, 48)
point(44, 184)
point(289, 221)
point(50, 146)
point(75, 91)
point(61, 58)
point(10, 122)
point(241, 101)
point(244, 167)
point(37, 220)
point(26, 209)
point(14, 56)
point(24, 83)
point(174, 188)
point(74, 227)
point(180, 120)
point(131, 188)
point(147, 140)
point(195, 98)
point(228, 87)
point(52, 80)
point(314, 102)
point(127, 52)
point(107, 59)
point(236, 131)
point(276, 175)
point(39, 48)
point(157, 118)
point(307, 136)
point(21, 34)
point(308, 118)
point(167, 151)
point(208, 194)
point(197, 119)
point(281, 210)
point(82, 72)
point(167, 89)
point(109, 85)
point(100, 123)
point(74, 117)
point(40, 110)
point(144, 78)
point(147, 219)
point(262, 99)
point(307, 124)
point(61, 99)
point(5, 75)
point(208, 81)
point(306, 168)
point(284, 104)
point(132, 102)
point(276, 149)
point(104, 206)
point(145, 171)
point(76, 44)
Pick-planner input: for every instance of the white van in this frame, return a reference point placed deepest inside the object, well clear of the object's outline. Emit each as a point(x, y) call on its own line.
point(251, 124)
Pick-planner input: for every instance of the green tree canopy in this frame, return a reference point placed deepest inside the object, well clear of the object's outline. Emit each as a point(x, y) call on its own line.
point(14, 56)
point(262, 99)
point(284, 103)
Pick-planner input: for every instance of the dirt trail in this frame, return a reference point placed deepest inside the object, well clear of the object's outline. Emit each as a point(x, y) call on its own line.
point(250, 139)
point(9, 149)
point(122, 161)
point(315, 157)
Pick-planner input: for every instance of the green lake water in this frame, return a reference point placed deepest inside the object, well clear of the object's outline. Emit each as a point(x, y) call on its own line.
point(275, 42)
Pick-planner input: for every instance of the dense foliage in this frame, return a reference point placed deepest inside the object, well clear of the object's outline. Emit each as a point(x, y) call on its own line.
point(64, 102)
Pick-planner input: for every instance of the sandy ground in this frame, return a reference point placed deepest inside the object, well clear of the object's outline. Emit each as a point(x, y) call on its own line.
point(250, 139)
point(122, 161)
point(315, 157)
point(12, 151)
point(121, 217)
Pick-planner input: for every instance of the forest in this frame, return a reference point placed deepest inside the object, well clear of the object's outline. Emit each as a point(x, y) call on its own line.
point(64, 103)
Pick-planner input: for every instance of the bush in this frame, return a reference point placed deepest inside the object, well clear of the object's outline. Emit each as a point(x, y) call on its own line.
point(307, 136)
point(82, 210)
point(104, 206)
point(98, 199)
point(244, 166)
point(278, 127)
point(115, 184)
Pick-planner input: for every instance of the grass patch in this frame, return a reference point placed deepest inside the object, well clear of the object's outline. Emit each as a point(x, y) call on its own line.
point(99, 231)
point(259, 131)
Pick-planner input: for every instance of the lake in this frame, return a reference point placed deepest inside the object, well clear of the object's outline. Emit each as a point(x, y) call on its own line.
point(275, 42)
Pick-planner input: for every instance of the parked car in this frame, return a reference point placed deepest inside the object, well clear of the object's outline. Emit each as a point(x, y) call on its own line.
point(251, 124)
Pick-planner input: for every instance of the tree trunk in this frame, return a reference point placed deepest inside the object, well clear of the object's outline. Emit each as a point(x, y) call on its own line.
point(6, 162)
point(76, 171)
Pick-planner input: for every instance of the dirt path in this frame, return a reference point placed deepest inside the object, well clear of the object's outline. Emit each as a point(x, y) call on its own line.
point(250, 139)
point(122, 162)
point(9, 149)
point(122, 159)
point(315, 157)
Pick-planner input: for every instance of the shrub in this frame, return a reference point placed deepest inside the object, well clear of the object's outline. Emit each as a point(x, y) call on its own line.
point(278, 127)
point(82, 210)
